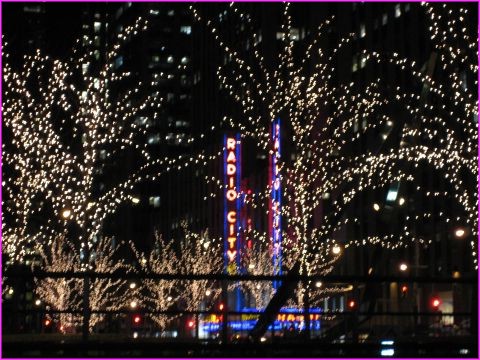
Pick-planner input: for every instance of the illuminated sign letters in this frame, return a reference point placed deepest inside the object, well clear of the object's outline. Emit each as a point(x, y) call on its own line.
point(232, 202)
point(275, 220)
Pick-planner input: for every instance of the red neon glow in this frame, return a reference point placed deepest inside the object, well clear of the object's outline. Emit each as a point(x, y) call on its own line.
point(137, 319)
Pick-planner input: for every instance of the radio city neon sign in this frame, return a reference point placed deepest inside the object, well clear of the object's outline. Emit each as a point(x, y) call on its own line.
point(231, 197)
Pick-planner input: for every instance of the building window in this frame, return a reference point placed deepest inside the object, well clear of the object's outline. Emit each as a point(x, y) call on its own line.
point(118, 62)
point(355, 63)
point(153, 139)
point(363, 61)
point(398, 11)
point(97, 41)
point(154, 201)
point(186, 29)
point(279, 35)
point(32, 9)
point(170, 97)
point(170, 59)
point(363, 31)
point(155, 58)
point(84, 68)
point(407, 7)
point(384, 19)
point(142, 121)
point(294, 34)
point(154, 12)
point(96, 53)
point(184, 60)
point(97, 26)
point(171, 12)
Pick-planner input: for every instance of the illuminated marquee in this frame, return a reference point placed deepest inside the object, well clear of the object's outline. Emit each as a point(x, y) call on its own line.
point(232, 173)
point(275, 221)
point(289, 318)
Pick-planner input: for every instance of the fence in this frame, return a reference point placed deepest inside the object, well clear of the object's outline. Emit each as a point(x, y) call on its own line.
point(392, 320)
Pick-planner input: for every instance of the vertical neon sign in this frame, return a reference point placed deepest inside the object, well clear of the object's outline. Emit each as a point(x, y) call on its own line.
point(232, 202)
point(275, 220)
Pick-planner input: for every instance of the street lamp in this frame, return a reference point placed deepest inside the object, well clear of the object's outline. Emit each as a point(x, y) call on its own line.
point(133, 304)
point(401, 201)
point(318, 284)
point(376, 207)
point(132, 285)
point(208, 292)
point(460, 232)
point(403, 267)
point(66, 213)
point(38, 302)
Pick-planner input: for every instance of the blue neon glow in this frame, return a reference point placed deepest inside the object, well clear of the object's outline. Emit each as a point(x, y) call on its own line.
point(276, 197)
point(248, 324)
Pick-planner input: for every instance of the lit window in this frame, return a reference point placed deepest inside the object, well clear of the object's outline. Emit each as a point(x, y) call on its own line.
point(85, 27)
point(171, 12)
point(154, 12)
point(170, 97)
point(118, 62)
point(141, 120)
point(407, 7)
point(103, 154)
point(384, 19)
point(398, 11)
point(184, 60)
point(32, 9)
point(392, 194)
point(355, 63)
point(363, 32)
point(294, 34)
point(170, 59)
point(155, 58)
point(279, 35)
point(258, 39)
point(363, 61)
point(96, 83)
point(84, 68)
point(96, 53)
point(186, 29)
point(97, 26)
point(97, 41)
point(153, 139)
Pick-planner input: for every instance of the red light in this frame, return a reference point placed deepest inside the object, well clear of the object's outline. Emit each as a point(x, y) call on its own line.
point(435, 302)
point(351, 304)
point(137, 319)
point(191, 323)
point(404, 288)
point(47, 322)
point(221, 306)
